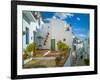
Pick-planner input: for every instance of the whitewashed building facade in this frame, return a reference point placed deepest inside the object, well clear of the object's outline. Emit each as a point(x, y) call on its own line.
point(31, 21)
point(45, 35)
point(54, 31)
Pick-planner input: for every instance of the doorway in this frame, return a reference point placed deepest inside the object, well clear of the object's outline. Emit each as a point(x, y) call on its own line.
point(52, 44)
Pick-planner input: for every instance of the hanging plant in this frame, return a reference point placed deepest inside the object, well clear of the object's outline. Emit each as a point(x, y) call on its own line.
point(24, 32)
point(48, 33)
point(67, 29)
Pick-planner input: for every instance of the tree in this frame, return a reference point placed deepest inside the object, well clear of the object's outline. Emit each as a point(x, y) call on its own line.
point(62, 46)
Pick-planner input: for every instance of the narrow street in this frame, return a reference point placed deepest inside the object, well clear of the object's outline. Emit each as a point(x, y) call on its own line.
point(78, 60)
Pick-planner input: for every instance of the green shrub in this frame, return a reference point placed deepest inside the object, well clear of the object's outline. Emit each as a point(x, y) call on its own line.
point(86, 61)
point(62, 46)
point(25, 56)
point(31, 47)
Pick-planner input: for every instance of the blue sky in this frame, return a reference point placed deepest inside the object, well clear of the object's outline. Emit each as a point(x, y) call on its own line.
point(79, 21)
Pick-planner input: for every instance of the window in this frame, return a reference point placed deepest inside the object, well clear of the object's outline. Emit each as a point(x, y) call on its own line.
point(27, 35)
point(31, 37)
point(44, 43)
point(67, 29)
point(64, 39)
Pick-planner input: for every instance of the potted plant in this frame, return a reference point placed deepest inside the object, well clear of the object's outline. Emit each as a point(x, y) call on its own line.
point(25, 54)
point(24, 33)
point(86, 61)
point(58, 59)
point(31, 48)
point(62, 47)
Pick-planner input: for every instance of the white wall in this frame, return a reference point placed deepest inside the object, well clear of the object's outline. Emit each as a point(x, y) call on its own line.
point(69, 60)
point(5, 44)
point(58, 31)
point(25, 24)
point(45, 29)
point(56, 28)
point(31, 27)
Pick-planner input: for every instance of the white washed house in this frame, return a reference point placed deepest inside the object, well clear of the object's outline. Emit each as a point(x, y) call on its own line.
point(31, 21)
point(46, 35)
point(54, 31)
point(60, 30)
point(87, 47)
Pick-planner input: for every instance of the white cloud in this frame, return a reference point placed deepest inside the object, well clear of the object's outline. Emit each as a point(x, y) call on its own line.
point(78, 18)
point(80, 29)
point(77, 29)
point(47, 19)
point(64, 15)
point(81, 35)
point(54, 17)
point(60, 15)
